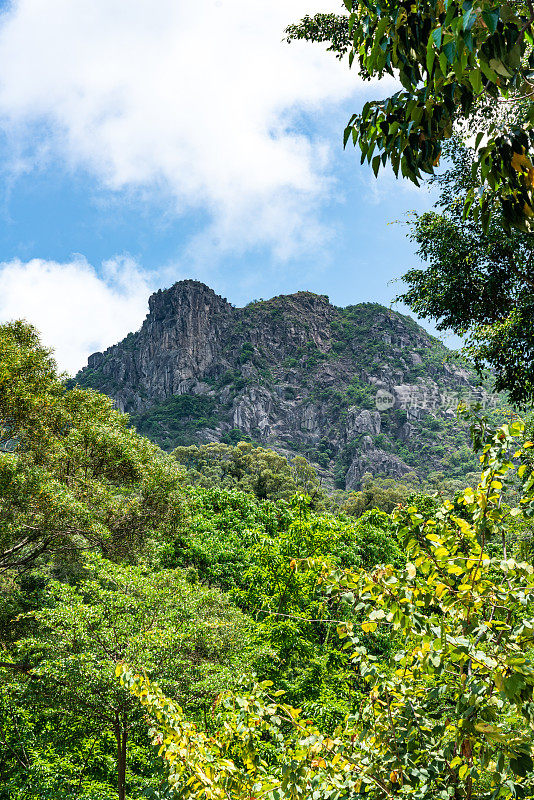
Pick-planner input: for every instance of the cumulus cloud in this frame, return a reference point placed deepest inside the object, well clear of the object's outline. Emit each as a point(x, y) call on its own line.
point(198, 100)
point(76, 310)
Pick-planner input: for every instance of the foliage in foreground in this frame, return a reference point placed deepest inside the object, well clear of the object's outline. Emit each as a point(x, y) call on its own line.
point(191, 636)
point(108, 553)
point(477, 284)
point(448, 716)
point(449, 57)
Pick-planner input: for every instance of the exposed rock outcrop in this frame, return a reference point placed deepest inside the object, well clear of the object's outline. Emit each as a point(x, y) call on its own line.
point(355, 389)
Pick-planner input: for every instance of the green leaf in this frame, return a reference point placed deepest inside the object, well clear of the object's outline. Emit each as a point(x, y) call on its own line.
point(491, 18)
point(450, 51)
point(475, 77)
point(469, 17)
point(497, 66)
point(522, 764)
point(437, 36)
point(430, 56)
point(488, 72)
point(376, 165)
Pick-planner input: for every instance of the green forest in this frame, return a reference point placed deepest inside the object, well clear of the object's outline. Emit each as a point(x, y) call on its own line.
point(211, 623)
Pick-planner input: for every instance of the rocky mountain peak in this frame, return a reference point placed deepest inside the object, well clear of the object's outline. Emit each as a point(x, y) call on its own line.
point(186, 297)
point(358, 389)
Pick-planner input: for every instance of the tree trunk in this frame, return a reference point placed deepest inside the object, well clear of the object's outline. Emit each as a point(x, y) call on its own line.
point(121, 735)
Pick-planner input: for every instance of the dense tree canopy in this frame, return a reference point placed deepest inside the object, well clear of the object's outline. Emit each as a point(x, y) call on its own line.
point(73, 474)
point(447, 715)
point(114, 550)
point(188, 635)
point(478, 284)
point(266, 473)
point(398, 679)
point(279, 643)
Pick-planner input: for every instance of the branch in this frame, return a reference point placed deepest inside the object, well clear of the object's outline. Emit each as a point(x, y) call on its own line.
point(15, 547)
point(527, 24)
point(31, 557)
point(12, 750)
point(15, 667)
point(86, 762)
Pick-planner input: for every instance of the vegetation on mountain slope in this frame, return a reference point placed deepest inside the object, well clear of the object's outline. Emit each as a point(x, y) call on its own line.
point(199, 567)
point(297, 375)
point(212, 620)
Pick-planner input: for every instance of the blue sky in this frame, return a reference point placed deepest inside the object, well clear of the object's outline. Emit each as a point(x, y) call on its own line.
point(137, 149)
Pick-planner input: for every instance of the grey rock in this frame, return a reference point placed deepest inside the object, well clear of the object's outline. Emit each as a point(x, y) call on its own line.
point(378, 463)
point(294, 373)
point(359, 421)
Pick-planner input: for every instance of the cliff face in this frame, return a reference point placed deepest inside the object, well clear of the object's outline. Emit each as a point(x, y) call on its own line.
point(178, 343)
point(357, 390)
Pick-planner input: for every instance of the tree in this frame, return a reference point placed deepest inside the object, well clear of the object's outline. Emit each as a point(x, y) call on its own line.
point(450, 56)
point(73, 474)
point(29, 388)
point(303, 657)
point(378, 493)
point(449, 716)
point(478, 284)
point(266, 473)
point(190, 636)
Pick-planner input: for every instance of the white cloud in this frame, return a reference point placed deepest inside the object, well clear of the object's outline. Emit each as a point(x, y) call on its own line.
point(76, 311)
point(195, 99)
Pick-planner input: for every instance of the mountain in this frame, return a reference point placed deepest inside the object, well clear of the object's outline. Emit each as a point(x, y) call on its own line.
point(357, 390)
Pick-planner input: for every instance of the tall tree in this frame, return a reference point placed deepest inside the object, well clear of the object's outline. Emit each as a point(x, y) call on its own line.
point(189, 635)
point(449, 55)
point(73, 474)
point(478, 284)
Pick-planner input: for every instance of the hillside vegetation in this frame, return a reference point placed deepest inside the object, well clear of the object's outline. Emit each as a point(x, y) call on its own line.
point(201, 613)
point(299, 375)
point(218, 564)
